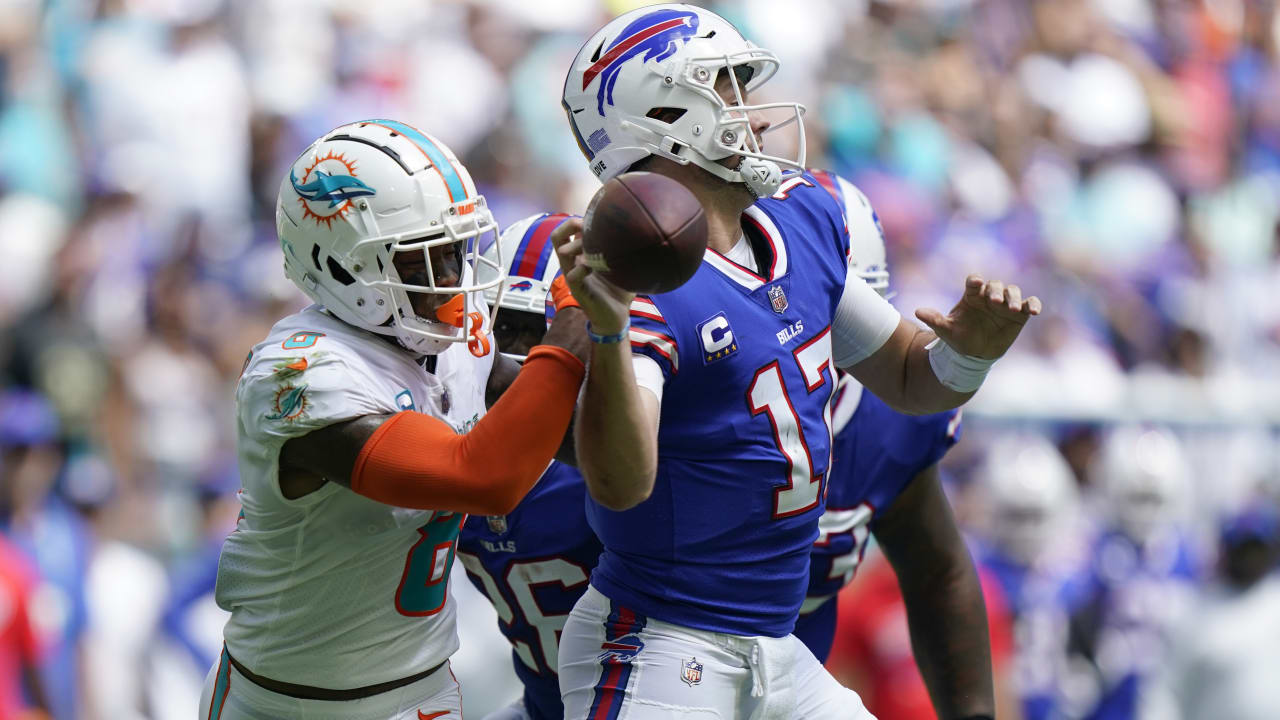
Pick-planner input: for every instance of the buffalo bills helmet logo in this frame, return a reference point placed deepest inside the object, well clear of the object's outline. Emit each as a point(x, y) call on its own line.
point(657, 36)
point(521, 285)
point(621, 650)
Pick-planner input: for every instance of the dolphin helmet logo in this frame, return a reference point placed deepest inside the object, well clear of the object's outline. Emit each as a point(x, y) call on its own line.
point(656, 36)
point(334, 188)
point(326, 192)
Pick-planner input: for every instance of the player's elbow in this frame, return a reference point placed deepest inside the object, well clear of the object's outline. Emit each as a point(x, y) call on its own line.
point(618, 502)
point(501, 504)
point(506, 491)
point(618, 492)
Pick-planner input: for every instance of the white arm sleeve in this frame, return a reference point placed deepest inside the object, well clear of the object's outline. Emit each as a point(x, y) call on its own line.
point(648, 374)
point(863, 322)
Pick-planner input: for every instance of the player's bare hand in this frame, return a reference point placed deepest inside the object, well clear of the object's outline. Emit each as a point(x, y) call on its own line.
point(607, 306)
point(987, 319)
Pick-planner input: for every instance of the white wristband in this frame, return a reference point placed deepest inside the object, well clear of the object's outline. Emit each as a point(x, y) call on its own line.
point(960, 372)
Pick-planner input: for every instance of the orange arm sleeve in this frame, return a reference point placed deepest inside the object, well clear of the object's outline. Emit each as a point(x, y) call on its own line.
point(416, 461)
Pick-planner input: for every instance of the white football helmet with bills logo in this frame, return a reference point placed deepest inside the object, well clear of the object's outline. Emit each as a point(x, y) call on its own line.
point(531, 264)
point(363, 193)
point(645, 84)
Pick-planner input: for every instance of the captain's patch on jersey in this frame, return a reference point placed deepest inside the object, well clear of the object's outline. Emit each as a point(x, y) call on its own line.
point(717, 338)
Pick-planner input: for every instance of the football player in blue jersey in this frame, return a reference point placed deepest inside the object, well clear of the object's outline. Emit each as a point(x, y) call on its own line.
point(703, 433)
point(1032, 545)
point(884, 480)
point(1143, 569)
point(533, 562)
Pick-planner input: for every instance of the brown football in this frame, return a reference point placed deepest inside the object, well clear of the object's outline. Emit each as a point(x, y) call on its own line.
point(644, 232)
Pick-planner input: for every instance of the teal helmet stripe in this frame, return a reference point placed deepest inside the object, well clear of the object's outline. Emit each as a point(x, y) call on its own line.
point(457, 188)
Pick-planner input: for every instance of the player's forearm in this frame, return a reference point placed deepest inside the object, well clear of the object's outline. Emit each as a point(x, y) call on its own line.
point(945, 608)
point(416, 461)
point(925, 394)
point(900, 374)
point(951, 643)
point(616, 437)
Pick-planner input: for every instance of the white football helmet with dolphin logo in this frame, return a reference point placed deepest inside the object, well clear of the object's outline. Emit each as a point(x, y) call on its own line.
point(645, 84)
point(366, 191)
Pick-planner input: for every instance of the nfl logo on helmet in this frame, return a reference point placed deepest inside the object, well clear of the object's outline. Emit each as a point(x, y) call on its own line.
point(691, 672)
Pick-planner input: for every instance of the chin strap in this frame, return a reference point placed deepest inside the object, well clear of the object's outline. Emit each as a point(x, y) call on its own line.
point(454, 313)
point(761, 177)
point(478, 344)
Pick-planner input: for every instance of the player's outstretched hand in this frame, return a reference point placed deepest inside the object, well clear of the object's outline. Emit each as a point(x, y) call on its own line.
point(607, 306)
point(987, 319)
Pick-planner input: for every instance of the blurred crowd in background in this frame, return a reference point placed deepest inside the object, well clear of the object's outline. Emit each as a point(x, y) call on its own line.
point(1120, 158)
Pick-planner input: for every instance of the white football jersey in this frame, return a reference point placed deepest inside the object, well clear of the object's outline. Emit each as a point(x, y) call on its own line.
point(335, 590)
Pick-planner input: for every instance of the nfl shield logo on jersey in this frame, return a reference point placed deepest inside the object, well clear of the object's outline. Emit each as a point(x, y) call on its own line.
point(691, 672)
point(497, 524)
point(778, 299)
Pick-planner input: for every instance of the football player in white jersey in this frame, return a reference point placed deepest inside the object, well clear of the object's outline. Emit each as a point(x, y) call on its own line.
point(363, 437)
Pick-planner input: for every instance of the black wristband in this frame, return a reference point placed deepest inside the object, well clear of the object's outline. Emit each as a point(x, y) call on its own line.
point(977, 717)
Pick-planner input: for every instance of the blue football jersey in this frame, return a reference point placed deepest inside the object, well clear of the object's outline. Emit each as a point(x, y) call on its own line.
point(744, 437)
point(876, 454)
point(1136, 596)
point(1041, 601)
point(533, 565)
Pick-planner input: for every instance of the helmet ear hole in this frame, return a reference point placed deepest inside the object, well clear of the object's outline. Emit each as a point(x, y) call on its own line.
point(338, 272)
point(667, 115)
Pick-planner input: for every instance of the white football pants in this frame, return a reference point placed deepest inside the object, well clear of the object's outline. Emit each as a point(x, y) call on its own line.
point(616, 665)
